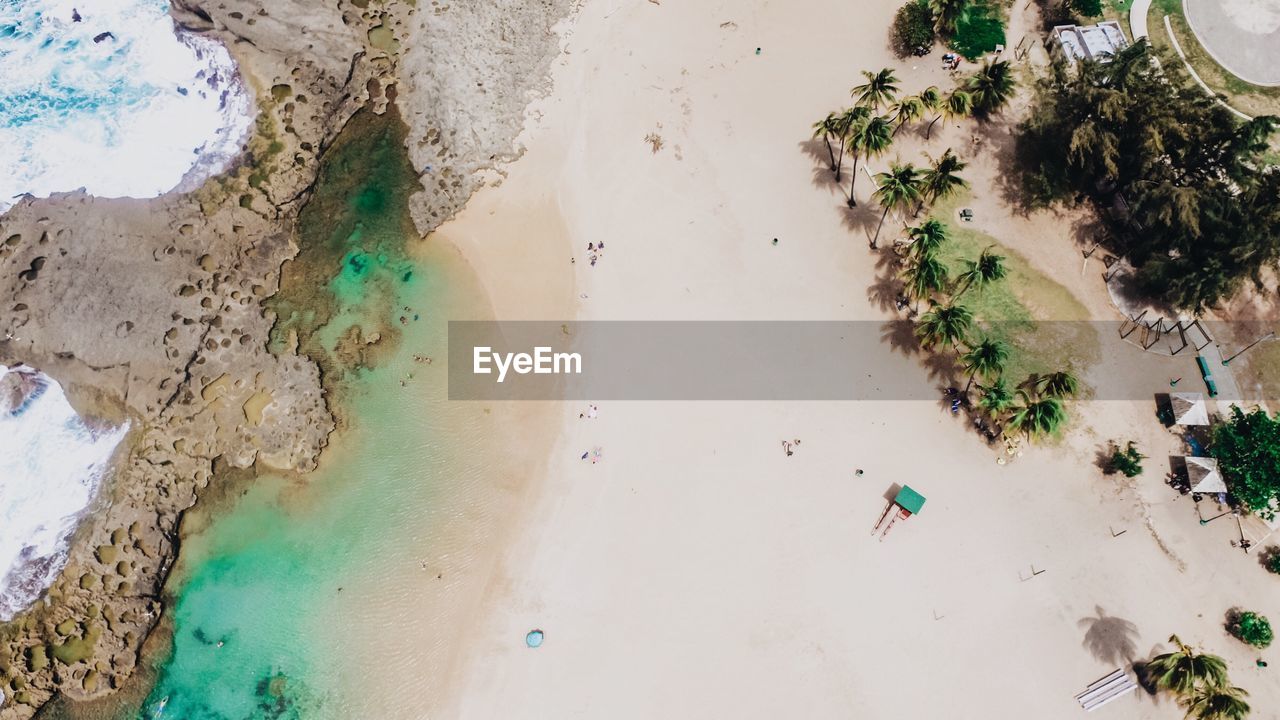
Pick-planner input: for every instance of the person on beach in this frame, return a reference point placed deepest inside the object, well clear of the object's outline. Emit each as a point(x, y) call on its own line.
point(786, 447)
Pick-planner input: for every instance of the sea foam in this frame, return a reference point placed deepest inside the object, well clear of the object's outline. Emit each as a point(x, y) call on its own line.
point(125, 114)
point(51, 465)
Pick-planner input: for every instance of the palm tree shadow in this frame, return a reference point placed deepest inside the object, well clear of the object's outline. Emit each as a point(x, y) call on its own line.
point(1110, 639)
point(861, 219)
point(885, 292)
point(942, 368)
point(823, 177)
point(900, 335)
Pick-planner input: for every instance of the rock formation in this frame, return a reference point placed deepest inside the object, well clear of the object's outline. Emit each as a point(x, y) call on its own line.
point(152, 310)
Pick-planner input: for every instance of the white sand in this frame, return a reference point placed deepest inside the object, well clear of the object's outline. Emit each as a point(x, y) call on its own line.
point(697, 571)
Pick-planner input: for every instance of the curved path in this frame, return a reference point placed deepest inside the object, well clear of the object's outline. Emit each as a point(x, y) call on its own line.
point(1176, 46)
point(1138, 18)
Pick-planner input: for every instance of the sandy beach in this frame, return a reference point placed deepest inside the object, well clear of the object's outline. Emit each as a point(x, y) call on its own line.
point(698, 571)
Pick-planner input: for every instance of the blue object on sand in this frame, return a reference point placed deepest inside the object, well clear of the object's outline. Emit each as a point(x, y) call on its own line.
point(533, 639)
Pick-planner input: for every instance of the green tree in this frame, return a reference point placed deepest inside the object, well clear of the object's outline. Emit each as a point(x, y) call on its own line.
point(926, 238)
point(933, 102)
point(947, 325)
point(826, 128)
point(946, 13)
point(942, 179)
point(980, 273)
point(1247, 448)
point(849, 119)
point(1036, 416)
point(996, 398)
point(1060, 384)
point(1086, 8)
point(1198, 200)
point(1183, 670)
point(1127, 460)
point(1211, 702)
point(880, 88)
point(1251, 628)
point(867, 139)
point(898, 188)
point(909, 109)
point(985, 359)
point(912, 30)
point(924, 276)
point(991, 87)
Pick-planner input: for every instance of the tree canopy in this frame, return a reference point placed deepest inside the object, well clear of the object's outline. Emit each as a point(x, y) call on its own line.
point(1247, 448)
point(1195, 207)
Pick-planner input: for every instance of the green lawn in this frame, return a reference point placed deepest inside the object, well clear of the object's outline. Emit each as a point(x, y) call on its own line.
point(1026, 309)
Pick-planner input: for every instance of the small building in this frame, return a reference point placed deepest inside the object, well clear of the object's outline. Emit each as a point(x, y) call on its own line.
point(1093, 42)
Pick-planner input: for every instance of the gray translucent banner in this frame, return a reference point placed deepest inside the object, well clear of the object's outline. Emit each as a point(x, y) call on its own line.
point(828, 360)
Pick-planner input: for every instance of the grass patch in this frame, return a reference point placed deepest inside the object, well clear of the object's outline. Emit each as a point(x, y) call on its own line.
point(1025, 310)
point(979, 30)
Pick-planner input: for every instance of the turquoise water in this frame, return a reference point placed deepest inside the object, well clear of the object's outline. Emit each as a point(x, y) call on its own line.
point(273, 579)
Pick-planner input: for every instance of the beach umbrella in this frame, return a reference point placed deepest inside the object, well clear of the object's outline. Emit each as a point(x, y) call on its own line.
point(1189, 409)
point(1204, 476)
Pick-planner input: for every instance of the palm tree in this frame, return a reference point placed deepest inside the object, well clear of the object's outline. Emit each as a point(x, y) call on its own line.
point(1208, 702)
point(958, 104)
point(986, 358)
point(1037, 416)
point(1061, 384)
point(869, 138)
point(1183, 670)
point(925, 276)
point(942, 178)
point(825, 129)
point(931, 98)
point(897, 188)
point(991, 87)
point(944, 324)
point(848, 120)
point(946, 13)
point(908, 109)
point(879, 89)
point(996, 398)
point(927, 238)
point(988, 268)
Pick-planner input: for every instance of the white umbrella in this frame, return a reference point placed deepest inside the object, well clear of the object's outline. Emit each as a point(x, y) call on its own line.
point(1189, 409)
point(1204, 475)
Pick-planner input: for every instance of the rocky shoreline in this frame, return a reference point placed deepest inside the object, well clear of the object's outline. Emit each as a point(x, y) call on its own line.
point(153, 310)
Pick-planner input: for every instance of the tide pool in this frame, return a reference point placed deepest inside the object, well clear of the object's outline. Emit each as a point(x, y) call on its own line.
point(110, 96)
point(276, 594)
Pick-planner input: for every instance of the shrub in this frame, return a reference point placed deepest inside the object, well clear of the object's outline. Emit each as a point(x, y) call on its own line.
point(1126, 461)
point(1271, 560)
point(978, 31)
point(1250, 628)
point(1086, 8)
point(912, 31)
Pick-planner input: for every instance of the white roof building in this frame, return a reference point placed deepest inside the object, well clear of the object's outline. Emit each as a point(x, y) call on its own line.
point(1093, 42)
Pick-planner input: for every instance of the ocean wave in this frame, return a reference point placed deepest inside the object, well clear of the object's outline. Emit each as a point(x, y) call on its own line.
point(51, 466)
point(120, 102)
